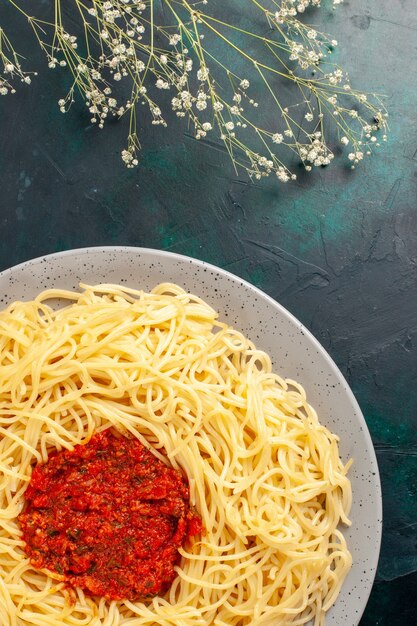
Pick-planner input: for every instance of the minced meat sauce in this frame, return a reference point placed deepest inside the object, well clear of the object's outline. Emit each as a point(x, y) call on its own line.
point(108, 517)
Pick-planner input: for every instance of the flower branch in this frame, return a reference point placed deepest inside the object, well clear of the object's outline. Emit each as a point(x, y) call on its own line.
point(134, 45)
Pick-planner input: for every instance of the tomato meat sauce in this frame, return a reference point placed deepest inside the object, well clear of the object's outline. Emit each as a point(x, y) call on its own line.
point(108, 517)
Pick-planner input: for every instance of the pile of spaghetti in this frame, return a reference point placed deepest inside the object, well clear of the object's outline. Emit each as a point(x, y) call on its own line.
point(264, 475)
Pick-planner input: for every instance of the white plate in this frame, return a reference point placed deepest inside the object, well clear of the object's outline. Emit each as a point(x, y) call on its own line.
point(294, 351)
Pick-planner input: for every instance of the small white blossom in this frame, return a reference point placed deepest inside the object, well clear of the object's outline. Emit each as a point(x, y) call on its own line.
point(128, 158)
point(282, 175)
point(277, 138)
point(174, 39)
point(202, 74)
point(162, 84)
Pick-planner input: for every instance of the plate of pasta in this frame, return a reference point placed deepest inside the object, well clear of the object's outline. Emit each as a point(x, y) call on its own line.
point(175, 449)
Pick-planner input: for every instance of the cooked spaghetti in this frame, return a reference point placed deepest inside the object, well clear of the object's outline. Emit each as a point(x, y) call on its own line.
point(264, 475)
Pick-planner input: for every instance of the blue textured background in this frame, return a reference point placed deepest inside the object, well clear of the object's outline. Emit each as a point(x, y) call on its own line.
point(338, 248)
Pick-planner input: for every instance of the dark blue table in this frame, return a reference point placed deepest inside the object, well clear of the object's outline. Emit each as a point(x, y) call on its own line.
point(337, 248)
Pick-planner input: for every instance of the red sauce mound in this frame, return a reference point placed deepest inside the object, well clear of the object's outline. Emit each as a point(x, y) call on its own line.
point(109, 517)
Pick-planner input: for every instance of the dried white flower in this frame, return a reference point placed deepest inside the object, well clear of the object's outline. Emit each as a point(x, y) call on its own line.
point(203, 74)
point(162, 84)
point(208, 100)
point(174, 40)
